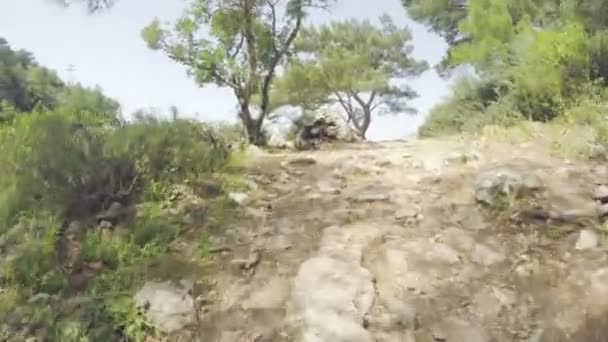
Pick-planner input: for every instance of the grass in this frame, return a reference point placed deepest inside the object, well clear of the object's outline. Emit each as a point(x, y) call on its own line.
point(153, 167)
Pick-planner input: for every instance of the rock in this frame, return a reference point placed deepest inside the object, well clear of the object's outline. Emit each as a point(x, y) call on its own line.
point(406, 213)
point(113, 213)
point(507, 181)
point(486, 256)
point(240, 198)
point(271, 295)
point(597, 151)
point(40, 298)
point(587, 239)
point(75, 229)
point(249, 263)
point(328, 189)
point(601, 193)
point(105, 225)
point(167, 307)
point(331, 298)
point(278, 141)
point(603, 210)
point(302, 161)
point(367, 197)
point(211, 188)
point(457, 330)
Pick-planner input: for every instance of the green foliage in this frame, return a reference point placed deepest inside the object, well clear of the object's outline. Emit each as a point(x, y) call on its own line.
point(72, 161)
point(27, 86)
point(238, 45)
point(544, 54)
point(351, 63)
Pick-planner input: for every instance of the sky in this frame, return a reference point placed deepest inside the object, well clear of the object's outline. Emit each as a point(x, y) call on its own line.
point(106, 50)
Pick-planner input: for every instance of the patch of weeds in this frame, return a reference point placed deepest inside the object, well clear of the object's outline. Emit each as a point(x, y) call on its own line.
point(157, 191)
point(203, 246)
point(155, 225)
point(220, 212)
point(234, 183)
point(501, 204)
point(34, 264)
point(554, 232)
point(9, 300)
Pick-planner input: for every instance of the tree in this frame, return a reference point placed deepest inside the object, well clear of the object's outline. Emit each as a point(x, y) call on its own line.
point(352, 63)
point(26, 86)
point(237, 44)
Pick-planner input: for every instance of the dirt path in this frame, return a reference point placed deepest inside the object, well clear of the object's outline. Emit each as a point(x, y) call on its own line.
point(387, 242)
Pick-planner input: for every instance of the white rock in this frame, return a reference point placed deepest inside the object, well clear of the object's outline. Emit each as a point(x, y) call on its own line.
point(587, 239)
point(331, 297)
point(169, 308)
point(239, 197)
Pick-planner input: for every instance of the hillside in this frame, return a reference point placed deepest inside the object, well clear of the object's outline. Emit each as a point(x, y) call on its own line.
point(422, 240)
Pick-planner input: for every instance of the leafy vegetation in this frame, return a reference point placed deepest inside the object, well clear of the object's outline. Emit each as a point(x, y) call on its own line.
point(89, 203)
point(533, 60)
point(236, 44)
point(351, 63)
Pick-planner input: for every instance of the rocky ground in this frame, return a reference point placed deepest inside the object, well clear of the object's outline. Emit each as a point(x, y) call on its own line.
point(436, 240)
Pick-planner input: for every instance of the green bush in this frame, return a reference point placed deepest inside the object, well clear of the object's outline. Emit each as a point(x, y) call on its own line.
point(69, 164)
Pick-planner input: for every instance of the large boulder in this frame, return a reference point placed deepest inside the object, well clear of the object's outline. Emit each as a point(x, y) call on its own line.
point(326, 126)
point(505, 181)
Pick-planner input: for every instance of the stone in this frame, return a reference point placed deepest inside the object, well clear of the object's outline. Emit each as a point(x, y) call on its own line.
point(367, 197)
point(603, 210)
point(271, 295)
point(597, 151)
point(40, 298)
point(167, 307)
point(328, 189)
point(406, 213)
point(240, 198)
point(601, 193)
point(75, 229)
point(105, 225)
point(458, 330)
point(587, 239)
point(505, 180)
point(331, 298)
point(247, 264)
point(211, 188)
point(486, 256)
point(114, 212)
point(302, 161)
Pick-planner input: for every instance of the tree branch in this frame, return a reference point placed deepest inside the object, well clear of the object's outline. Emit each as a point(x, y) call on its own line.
point(279, 53)
point(273, 12)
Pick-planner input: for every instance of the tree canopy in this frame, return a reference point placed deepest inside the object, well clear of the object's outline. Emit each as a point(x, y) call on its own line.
point(235, 44)
point(533, 58)
point(26, 86)
point(352, 63)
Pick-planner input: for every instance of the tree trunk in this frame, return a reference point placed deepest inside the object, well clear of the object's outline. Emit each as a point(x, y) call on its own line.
point(254, 132)
point(252, 126)
point(367, 119)
point(361, 123)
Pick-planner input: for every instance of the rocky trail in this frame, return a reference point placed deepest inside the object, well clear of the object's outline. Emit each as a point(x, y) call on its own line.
point(432, 240)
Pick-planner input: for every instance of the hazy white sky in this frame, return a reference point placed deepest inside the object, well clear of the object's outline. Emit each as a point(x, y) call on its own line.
point(107, 50)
